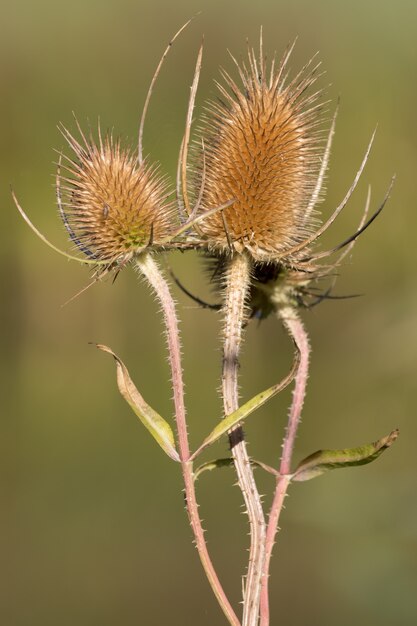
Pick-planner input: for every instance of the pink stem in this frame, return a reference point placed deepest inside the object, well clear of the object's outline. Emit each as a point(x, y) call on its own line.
point(296, 330)
point(150, 270)
point(237, 285)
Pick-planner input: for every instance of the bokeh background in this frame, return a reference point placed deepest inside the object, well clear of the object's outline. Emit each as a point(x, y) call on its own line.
point(92, 525)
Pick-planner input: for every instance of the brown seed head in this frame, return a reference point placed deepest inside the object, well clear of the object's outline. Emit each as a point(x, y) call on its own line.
point(262, 147)
point(112, 206)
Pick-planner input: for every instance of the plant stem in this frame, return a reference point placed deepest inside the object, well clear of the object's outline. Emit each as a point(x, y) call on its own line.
point(150, 270)
point(237, 285)
point(294, 325)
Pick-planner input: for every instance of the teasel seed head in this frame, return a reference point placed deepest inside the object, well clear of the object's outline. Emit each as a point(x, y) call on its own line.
point(262, 147)
point(112, 206)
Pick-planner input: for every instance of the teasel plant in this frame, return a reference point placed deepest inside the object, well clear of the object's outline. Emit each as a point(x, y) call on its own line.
point(262, 142)
point(248, 183)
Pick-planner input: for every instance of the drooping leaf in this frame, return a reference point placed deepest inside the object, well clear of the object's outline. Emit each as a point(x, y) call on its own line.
point(159, 428)
point(211, 465)
point(227, 423)
point(325, 460)
point(229, 462)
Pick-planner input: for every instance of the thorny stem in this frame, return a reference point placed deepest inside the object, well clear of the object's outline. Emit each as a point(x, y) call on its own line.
point(296, 329)
point(294, 325)
point(271, 530)
point(150, 270)
point(237, 284)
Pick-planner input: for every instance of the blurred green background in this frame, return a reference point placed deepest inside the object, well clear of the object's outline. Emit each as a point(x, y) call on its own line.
point(92, 525)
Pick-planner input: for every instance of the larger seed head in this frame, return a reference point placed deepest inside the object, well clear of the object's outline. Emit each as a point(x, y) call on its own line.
point(261, 146)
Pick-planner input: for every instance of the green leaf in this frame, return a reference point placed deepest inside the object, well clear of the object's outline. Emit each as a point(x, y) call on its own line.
point(211, 465)
point(246, 409)
point(159, 428)
point(229, 462)
point(325, 460)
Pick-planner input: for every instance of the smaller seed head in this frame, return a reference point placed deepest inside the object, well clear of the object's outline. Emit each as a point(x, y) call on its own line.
point(112, 206)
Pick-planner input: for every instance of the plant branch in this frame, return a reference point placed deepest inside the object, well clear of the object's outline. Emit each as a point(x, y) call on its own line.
point(150, 270)
point(237, 285)
point(295, 328)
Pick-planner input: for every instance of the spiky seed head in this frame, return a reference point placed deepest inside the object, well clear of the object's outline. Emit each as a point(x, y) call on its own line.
point(261, 145)
point(112, 206)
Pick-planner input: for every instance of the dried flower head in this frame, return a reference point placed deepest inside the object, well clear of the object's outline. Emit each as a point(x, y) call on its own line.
point(112, 206)
point(262, 147)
